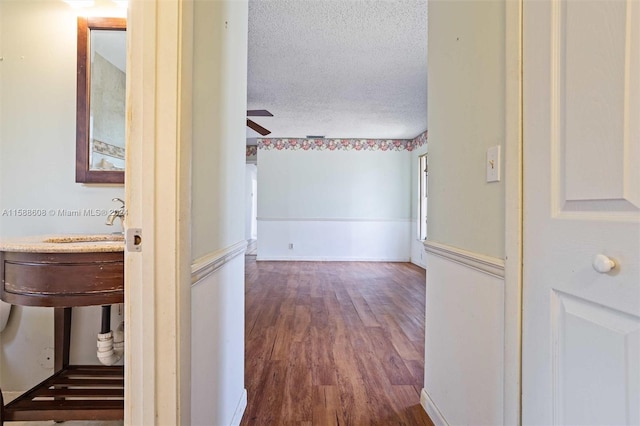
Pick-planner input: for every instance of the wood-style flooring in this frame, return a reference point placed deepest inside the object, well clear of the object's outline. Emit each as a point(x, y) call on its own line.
point(334, 343)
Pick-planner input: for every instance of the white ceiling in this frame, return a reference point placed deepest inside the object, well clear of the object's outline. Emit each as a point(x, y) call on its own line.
point(339, 68)
point(111, 45)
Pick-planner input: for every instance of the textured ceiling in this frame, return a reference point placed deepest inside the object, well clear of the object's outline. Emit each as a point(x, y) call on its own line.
point(340, 69)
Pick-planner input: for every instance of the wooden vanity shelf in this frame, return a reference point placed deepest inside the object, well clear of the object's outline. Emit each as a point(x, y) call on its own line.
point(81, 392)
point(63, 281)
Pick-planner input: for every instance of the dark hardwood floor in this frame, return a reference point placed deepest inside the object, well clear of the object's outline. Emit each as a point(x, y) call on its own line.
point(334, 343)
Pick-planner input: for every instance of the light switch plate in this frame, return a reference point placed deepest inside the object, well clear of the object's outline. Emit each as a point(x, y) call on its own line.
point(493, 164)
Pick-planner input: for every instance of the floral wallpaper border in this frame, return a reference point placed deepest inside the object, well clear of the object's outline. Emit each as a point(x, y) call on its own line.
point(420, 140)
point(338, 144)
point(296, 144)
point(252, 151)
point(334, 144)
point(108, 149)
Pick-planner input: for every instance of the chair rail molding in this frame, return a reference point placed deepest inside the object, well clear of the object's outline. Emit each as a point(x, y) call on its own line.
point(208, 264)
point(334, 219)
point(489, 265)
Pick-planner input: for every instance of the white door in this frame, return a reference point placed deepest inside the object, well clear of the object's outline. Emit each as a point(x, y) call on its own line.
point(158, 192)
point(581, 327)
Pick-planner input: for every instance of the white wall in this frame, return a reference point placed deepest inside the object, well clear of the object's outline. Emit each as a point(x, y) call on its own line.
point(219, 87)
point(217, 347)
point(463, 376)
point(218, 205)
point(334, 205)
point(466, 116)
point(465, 324)
point(37, 169)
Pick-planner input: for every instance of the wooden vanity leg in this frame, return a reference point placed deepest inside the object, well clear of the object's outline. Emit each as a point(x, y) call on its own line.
point(1, 409)
point(62, 337)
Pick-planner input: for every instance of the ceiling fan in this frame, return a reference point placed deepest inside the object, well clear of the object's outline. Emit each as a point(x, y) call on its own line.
point(255, 126)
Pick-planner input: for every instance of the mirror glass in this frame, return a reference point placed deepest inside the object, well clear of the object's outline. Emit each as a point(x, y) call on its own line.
point(107, 107)
point(101, 110)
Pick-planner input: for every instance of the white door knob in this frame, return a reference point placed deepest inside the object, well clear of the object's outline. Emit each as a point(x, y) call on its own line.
point(603, 264)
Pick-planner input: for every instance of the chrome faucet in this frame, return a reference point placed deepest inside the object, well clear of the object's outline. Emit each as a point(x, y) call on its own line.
point(119, 213)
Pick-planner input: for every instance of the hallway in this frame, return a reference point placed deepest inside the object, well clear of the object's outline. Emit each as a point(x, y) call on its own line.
point(334, 343)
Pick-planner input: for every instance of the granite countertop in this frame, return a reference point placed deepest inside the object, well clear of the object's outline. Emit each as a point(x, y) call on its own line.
point(68, 243)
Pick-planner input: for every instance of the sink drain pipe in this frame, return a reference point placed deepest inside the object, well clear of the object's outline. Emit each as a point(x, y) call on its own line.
point(110, 343)
point(106, 319)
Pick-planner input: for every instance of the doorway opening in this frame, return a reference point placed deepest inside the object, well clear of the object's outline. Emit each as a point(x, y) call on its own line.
point(251, 208)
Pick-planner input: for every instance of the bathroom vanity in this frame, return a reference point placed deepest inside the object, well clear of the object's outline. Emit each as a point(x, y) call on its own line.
point(63, 272)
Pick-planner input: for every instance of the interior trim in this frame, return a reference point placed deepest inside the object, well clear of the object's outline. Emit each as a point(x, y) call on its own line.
point(432, 410)
point(489, 265)
point(333, 219)
point(240, 409)
point(332, 259)
point(208, 264)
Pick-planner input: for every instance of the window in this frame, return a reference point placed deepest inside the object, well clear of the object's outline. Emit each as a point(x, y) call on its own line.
point(422, 201)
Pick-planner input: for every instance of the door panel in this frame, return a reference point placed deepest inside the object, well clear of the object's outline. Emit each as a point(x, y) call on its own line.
point(581, 119)
point(594, 102)
point(593, 171)
point(586, 335)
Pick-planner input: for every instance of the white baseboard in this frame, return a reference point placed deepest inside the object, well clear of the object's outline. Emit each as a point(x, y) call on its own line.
point(242, 405)
point(421, 265)
point(432, 411)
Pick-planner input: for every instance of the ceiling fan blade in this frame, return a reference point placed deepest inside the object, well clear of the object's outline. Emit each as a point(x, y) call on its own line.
point(259, 113)
point(258, 128)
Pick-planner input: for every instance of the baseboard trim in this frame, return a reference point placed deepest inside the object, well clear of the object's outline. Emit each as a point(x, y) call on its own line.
point(240, 408)
point(208, 264)
point(420, 265)
point(489, 265)
point(432, 410)
point(329, 259)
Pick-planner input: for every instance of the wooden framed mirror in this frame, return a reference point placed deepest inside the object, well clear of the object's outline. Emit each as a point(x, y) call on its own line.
point(100, 105)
